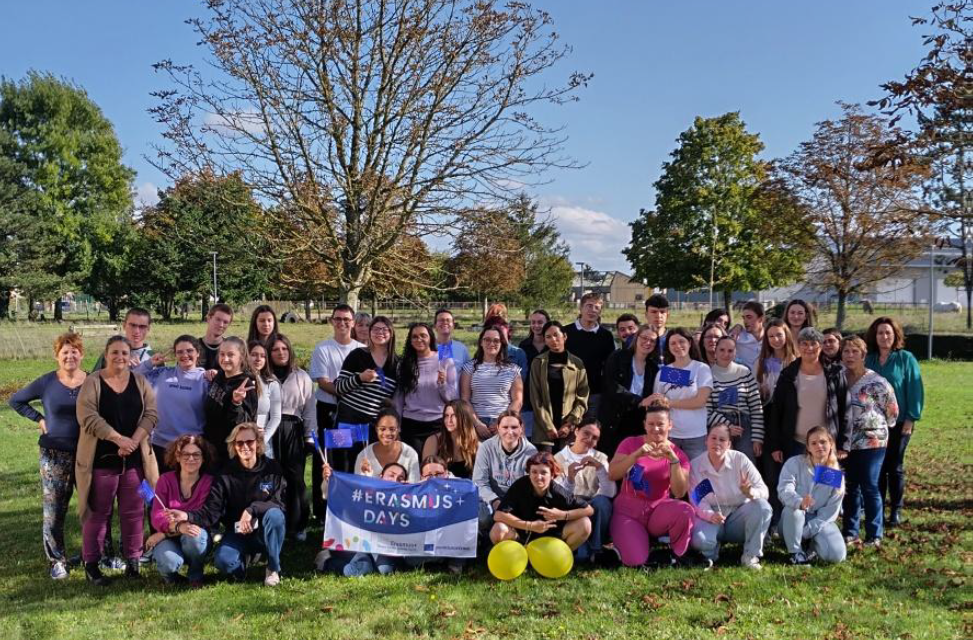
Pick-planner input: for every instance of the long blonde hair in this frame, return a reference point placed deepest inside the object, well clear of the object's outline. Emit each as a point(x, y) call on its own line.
point(832, 460)
point(766, 351)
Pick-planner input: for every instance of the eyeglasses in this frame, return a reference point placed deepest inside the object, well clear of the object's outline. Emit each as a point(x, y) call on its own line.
point(380, 330)
point(240, 444)
point(438, 474)
point(491, 341)
point(193, 455)
point(342, 320)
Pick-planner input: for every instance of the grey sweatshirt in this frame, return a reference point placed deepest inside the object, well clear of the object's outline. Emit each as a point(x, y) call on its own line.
point(797, 481)
point(494, 470)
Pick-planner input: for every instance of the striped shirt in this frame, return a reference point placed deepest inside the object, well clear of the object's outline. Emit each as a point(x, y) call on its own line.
point(490, 387)
point(358, 401)
point(747, 401)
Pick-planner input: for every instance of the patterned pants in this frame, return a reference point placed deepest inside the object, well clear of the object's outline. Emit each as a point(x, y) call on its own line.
point(57, 483)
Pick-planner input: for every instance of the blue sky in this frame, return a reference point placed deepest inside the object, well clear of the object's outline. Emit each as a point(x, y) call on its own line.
point(657, 65)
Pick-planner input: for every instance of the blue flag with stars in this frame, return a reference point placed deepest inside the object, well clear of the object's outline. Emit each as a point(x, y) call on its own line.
point(828, 476)
point(700, 491)
point(675, 376)
point(338, 439)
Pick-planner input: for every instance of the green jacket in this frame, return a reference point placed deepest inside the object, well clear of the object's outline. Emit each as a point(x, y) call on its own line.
point(575, 395)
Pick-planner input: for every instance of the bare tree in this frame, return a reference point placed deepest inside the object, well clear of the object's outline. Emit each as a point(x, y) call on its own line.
point(363, 120)
point(863, 209)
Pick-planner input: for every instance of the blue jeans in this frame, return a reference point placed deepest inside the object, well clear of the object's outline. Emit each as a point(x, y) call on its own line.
point(528, 418)
point(747, 524)
point(170, 554)
point(600, 522)
point(362, 564)
point(862, 468)
point(692, 447)
point(268, 539)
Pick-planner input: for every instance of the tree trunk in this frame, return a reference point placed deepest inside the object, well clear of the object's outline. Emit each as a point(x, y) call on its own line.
point(350, 296)
point(4, 303)
point(374, 304)
point(969, 312)
point(58, 313)
point(307, 309)
point(204, 306)
point(728, 306)
point(842, 298)
point(113, 308)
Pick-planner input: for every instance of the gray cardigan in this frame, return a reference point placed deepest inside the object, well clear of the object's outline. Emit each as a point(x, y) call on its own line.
point(797, 481)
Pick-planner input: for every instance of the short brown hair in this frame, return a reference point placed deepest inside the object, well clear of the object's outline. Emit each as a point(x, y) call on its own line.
point(544, 459)
point(220, 306)
point(243, 426)
point(591, 296)
point(69, 338)
point(871, 335)
point(176, 446)
point(510, 414)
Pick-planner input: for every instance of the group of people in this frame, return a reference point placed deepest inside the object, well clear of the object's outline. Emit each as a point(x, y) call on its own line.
point(654, 436)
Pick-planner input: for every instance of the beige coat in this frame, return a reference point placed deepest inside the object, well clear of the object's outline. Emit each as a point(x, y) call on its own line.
point(575, 401)
point(94, 428)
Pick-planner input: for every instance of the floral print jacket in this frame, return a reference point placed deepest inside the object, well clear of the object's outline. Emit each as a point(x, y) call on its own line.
point(872, 411)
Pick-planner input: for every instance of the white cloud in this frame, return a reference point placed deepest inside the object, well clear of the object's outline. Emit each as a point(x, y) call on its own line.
point(235, 122)
point(146, 196)
point(594, 236)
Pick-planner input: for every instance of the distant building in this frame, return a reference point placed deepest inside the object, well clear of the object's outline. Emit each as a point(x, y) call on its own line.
point(617, 289)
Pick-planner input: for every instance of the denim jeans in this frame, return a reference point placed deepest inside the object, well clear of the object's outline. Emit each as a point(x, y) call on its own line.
point(692, 447)
point(268, 539)
point(862, 468)
point(747, 524)
point(600, 523)
point(172, 553)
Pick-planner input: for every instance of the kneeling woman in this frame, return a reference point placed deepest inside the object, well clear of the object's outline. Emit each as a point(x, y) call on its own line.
point(248, 500)
point(736, 510)
point(536, 506)
point(655, 477)
point(186, 487)
point(810, 508)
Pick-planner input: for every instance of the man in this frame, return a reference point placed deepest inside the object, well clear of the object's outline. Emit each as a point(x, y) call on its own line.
point(500, 461)
point(326, 361)
point(750, 336)
point(218, 318)
point(136, 328)
point(592, 343)
point(444, 325)
point(626, 326)
point(656, 316)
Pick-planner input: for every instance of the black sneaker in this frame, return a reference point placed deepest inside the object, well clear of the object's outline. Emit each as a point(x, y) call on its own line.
point(691, 560)
point(94, 575)
point(803, 557)
point(609, 558)
point(132, 568)
point(659, 559)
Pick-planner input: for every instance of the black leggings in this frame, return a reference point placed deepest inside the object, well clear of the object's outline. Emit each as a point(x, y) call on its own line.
point(290, 452)
point(892, 476)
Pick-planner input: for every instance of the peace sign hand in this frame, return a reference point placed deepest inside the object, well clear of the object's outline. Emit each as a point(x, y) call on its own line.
point(159, 359)
point(240, 393)
point(745, 485)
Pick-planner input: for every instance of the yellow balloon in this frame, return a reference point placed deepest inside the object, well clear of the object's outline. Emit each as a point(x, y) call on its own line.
point(507, 560)
point(550, 557)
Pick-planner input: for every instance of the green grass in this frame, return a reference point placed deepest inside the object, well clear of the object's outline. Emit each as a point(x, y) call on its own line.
point(916, 586)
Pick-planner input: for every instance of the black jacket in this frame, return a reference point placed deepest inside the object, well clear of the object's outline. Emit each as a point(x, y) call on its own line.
point(619, 413)
point(222, 415)
point(782, 420)
point(258, 490)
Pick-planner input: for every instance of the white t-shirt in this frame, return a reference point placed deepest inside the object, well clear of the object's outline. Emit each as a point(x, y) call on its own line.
point(748, 350)
point(687, 423)
point(326, 360)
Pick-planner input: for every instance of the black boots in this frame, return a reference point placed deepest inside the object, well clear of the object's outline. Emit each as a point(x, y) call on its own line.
point(94, 575)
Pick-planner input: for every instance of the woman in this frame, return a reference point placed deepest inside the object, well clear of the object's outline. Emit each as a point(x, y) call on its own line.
point(232, 396)
point(186, 488)
point(735, 401)
point(686, 401)
point(718, 317)
point(247, 498)
point(629, 375)
point(456, 442)
point(708, 338)
point(586, 477)
point(117, 413)
point(736, 507)
point(811, 508)
point(532, 346)
point(776, 352)
point(361, 563)
point(426, 383)
point(558, 390)
point(655, 476)
point(536, 506)
point(872, 413)
point(57, 392)
point(434, 467)
point(366, 383)
point(831, 346)
point(180, 395)
point(888, 358)
point(798, 315)
point(263, 327)
point(387, 449)
point(360, 330)
point(294, 439)
point(269, 399)
point(490, 382)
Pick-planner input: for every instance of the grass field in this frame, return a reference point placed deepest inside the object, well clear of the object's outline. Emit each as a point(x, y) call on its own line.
point(916, 586)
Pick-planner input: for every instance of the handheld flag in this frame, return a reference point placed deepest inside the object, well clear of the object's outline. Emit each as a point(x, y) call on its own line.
point(381, 377)
point(728, 396)
point(445, 351)
point(317, 444)
point(701, 490)
point(674, 376)
point(359, 432)
point(338, 438)
point(828, 476)
point(148, 494)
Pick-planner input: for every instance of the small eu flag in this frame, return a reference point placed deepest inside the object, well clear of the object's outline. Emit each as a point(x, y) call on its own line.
point(314, 437)
point(674, 376)
point(145, 490)
point(827, 475)
point(445, 351)
point(338, 438)
point(728, 396)
point(701, 490)
point(636, 476)
point(359, 432)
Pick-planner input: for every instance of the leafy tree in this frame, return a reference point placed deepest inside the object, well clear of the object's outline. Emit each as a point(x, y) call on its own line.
point(548, 271)
point(116, 265)
point(69, 161)
point(937, 93)
point(717, 217)
point(863, 209)
point(405, 112)
point(488, 256)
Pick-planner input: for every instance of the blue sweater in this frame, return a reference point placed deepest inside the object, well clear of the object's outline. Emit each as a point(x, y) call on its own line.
point(181, 399)
point(60, 411)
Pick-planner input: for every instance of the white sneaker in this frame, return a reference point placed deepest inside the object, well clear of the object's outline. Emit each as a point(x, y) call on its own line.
point(271, 578)
point(751, 562)
point(321, 560)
